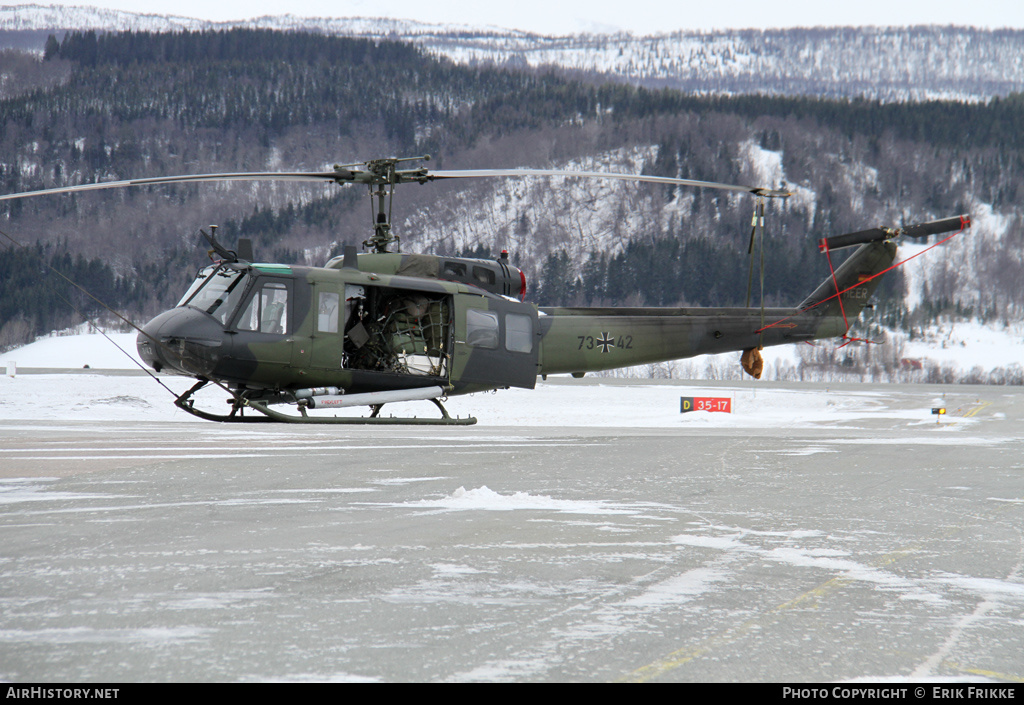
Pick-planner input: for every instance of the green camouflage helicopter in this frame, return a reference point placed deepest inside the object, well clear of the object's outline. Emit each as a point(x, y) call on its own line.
point(372, 328)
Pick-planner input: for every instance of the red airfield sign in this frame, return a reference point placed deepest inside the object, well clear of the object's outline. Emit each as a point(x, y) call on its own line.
point(723, 404)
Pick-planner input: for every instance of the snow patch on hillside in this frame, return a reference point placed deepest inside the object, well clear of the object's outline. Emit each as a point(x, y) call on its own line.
point(585, 215)
point(956, 265)
point(969, 344)
point(766, 167)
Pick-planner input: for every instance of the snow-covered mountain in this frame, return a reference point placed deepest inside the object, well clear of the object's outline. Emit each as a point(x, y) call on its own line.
point(893, 63)
point(889, 63)
point(533, 219)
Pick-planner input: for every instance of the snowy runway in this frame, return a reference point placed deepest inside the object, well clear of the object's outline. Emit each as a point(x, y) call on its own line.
point(581, 531)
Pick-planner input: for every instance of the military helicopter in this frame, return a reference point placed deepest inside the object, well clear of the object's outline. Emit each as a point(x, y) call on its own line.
point(381, 326)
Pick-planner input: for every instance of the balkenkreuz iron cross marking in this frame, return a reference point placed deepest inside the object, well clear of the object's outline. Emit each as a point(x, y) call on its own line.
point(605, 342)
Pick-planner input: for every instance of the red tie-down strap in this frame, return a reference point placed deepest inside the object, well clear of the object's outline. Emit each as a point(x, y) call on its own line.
point(964, 223)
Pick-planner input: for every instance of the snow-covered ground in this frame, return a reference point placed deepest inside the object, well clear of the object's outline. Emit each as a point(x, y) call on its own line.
point(107, 392)
point(969, 344)
point(829, 523)
point(113, 351)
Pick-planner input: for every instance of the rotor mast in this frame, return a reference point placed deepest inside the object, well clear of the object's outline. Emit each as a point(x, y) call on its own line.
point(382, 177)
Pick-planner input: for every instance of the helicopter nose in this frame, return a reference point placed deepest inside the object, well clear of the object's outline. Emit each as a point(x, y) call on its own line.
point(182, 341)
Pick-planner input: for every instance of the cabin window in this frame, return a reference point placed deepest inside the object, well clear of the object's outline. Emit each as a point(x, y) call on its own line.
point(483, 275)
point(455, 269)
point(518, 333)
point(267, 311)
point(481, 328)
point(327, 316)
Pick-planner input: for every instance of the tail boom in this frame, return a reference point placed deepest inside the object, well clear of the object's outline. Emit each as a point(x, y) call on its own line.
point(589, 340)
point(576, 340)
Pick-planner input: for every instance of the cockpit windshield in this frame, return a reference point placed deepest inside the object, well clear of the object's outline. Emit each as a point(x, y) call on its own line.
point(216, 291)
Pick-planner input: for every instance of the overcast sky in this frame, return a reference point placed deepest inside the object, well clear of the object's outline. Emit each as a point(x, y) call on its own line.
point(638, 16)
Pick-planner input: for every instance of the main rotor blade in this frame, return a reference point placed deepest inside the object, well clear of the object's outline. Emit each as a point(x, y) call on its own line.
point(341, 176)
point(478, 173)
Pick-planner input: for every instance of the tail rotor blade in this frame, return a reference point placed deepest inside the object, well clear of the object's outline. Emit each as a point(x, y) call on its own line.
point(933, 227)
point(858, 238)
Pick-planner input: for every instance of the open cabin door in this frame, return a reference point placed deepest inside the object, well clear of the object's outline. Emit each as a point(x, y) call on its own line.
point(497, 342)
point(397, 331)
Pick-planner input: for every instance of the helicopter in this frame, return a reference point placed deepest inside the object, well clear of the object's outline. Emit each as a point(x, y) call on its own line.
point(382, 326)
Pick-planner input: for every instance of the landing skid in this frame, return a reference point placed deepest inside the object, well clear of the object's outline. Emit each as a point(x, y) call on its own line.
point(240, 404)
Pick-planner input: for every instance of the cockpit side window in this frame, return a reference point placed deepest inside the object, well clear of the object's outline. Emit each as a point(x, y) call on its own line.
point(267, 310)
point(216, 291)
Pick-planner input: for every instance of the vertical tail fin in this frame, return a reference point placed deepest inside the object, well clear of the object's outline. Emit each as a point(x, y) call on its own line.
point(852, 281)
